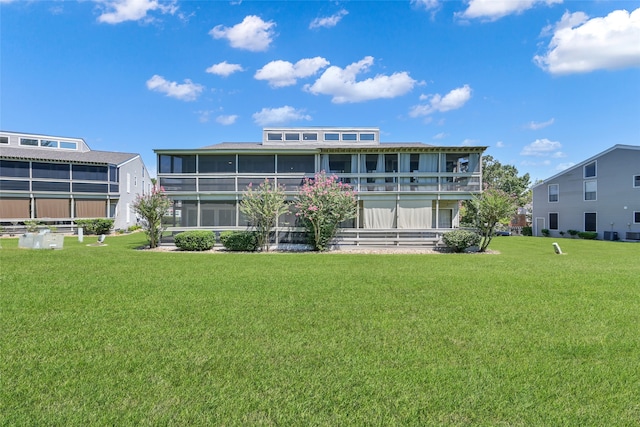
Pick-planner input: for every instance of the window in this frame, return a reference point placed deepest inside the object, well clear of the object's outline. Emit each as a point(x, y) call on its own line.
point(256, 164)
point(367, 137)
point(292, 136)
point(68, 145)
point(50, 170)
point(90, 172)
point(636, 217)
point(349, 137)
point(177, 164)
point(29, 141)
point(14, 169)
point(113, 173)
point(553, 221)
point(590, 170)
point(554, 192)
point(14, 185)
point(590, 221)
point(274, 137)
point(590, 190)
point(636, 181)
point(178, 184)
point(50, 186)
point(4, 139)
point(217, 163)
point(82, 187)
point(310, 136)
point(332, 137)
point(295, 164)
point(48, 143)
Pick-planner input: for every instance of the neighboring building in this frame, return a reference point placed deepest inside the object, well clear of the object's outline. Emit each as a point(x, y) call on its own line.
point(405, 191)
point(56, 180)
point(601, 194)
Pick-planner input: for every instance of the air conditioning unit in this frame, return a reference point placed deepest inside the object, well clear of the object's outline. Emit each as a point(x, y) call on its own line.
point(610, 235)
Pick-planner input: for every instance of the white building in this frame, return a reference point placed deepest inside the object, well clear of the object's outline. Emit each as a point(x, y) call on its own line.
point(406, 192)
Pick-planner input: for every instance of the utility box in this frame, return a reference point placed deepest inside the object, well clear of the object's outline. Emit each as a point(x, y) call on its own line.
point(42, 240)
point(610, 235)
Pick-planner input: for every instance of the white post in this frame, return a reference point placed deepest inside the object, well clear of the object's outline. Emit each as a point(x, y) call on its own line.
point(80, 234)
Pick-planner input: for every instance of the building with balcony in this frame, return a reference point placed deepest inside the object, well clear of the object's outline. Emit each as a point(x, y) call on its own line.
point(56, 180)
point(406, 192)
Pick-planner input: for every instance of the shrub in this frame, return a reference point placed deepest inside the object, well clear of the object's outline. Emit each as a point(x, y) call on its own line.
point(545, 232)
point(32, 225)
point(527, 231)
point(323, 203)
point(263, 206)
point(195, 240)
point(245, 241)
point(459, 240)
point(95, 225)
point(589, 235)
point(562, 233)
point(152, 208)
point(573, 233)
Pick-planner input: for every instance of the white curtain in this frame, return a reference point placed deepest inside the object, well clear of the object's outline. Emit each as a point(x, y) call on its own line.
point(405, 166)
point(354, 163)
point(473, 162)
point(379, 213)
point(428, 162)
point(324, 163)
point(414, 214)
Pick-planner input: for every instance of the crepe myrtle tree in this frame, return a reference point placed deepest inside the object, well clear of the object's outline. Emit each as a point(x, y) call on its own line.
point(262, 206)
point(492, 207)
point(150, 208)
point(323, 203)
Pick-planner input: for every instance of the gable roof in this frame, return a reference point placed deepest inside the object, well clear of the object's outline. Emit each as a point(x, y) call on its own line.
point(93, 156)
point(589, 160)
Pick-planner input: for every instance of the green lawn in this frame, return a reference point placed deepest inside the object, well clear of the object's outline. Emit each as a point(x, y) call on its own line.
point(115, 336)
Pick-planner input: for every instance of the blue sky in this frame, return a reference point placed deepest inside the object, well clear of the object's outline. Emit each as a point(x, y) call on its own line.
point(544, 83)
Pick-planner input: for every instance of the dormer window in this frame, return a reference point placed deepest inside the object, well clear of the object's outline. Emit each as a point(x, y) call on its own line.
point(590, 170)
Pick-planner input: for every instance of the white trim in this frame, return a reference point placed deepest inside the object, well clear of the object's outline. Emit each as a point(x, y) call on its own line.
point(634, 217)
point(549, 193)
point(584, 170)
point(633, 181)
point(584, 221)
point(584, 190)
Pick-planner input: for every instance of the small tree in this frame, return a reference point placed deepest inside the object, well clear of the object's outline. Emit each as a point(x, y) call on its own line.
point(151, 208)
point(323, 203)
point(492, 207)
point(263, 206)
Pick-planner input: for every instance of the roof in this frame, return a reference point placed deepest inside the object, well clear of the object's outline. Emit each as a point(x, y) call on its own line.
point(589, 160)
point(236, 147)
point(93, 156)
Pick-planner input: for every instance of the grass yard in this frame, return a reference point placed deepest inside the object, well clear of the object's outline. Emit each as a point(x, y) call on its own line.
point(115, 336)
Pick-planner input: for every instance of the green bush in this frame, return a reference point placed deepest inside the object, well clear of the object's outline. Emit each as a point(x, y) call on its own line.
point(589, 235)
point(527, 231)
point(195, 240)
point(95, 226)
point(573, 233)
point(545, 232)
point(459, 240)
point(245, 241)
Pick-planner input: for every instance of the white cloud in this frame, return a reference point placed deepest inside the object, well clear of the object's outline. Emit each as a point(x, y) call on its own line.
point(451, 101)
point(188, 91)
point(581, 45)
point(541, 148)
point(563, 166)
point(251, 34)
point(227, 120)
point(118, 11)
point(277, 116)
point(492, 10)
point(469, 142)
point(203, 115)
point(426, 4)
point(284, 73)
point(341, 83)
point(441, 135)
point(224, 69)
point(499, 144)
point(329, 21)
point(540, 125)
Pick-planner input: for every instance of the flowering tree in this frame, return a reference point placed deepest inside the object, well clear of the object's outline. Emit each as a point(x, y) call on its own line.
point(323, 203)
point(151, 208)
point(263, 206)
point(493, 206)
